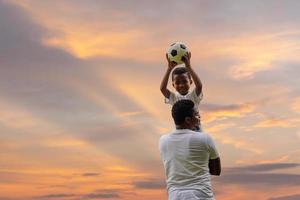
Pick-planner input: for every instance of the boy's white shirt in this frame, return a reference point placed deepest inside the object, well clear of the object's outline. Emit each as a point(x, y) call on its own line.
point(191, 95)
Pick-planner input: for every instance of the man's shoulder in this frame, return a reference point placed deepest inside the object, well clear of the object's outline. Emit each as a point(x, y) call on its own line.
point(164, 136)
point(200, 136)
point(183, 131)
point(163, 140)
point(202, 133)
point(175, 132)
point(199, 133)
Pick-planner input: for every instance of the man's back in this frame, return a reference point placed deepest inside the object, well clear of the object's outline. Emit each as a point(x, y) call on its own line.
point(185, 155)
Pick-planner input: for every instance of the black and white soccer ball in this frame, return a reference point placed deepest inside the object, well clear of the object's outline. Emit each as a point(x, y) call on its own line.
point(176, 51)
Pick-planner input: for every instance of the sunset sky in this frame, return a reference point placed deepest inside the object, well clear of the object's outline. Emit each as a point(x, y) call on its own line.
point(81, 112)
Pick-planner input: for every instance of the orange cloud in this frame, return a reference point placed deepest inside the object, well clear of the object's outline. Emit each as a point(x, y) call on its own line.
point(230, 192)
point(90, 37)
point(85, 43)
point(219, 127)
point(17, 118)
point(136, 93)
point(276, 160)
point(142, 91)
point(258, 52)
point(220, 135)
point(250, 161)
point(28, 184)
point(296, 105)
point(228, 112)
point(55, 160)
point(255, 54)
point(86, 38)
point(225, 138)
point(283, 123)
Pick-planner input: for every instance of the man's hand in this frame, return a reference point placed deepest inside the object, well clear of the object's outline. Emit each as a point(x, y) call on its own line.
point(187, 59)
point(171, 64)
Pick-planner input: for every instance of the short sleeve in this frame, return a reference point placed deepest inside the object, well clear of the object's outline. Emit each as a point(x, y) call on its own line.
point(172, 99)
point(160, 142)
point(161, 146)
point(195, 97)
point(213, 152)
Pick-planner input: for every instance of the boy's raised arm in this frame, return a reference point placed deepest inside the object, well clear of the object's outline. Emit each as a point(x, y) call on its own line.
point(195, 77)
point(163, 86)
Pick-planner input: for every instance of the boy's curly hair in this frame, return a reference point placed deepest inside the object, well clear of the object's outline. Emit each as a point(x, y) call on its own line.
point(180, 70)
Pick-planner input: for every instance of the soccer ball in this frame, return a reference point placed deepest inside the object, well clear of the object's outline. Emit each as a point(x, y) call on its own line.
point(176, 51)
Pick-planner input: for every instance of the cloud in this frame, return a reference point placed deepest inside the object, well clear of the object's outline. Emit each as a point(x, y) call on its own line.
point(261, 179)
point(241, 144)
point(46, 91)
point(103, 111)
point(7, 198)
point(290, 197)
point(121, 142)
point(31, 74)
point(277, 122)
point(54, 196)
point(101, 193)
point(262, 167)
point(255, 175)
point(296, 105)
point(97, 194)
point(280, 159)
point(85, 31)
point(104, 194)
point(257, 54)
point(212, 112)
point(150, 184)
point(108, 35)
point(219, 127)
point(90, 174)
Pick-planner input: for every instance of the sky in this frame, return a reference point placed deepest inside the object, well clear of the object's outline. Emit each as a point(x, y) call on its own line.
point(81, 112)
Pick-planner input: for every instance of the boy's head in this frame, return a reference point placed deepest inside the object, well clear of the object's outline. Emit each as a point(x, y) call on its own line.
point(181, 80)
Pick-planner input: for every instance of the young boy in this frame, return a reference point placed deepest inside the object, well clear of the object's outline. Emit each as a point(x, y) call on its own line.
point(182, 78)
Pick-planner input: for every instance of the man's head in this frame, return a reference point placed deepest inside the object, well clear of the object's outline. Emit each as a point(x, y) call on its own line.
point(181, 80)
point(184, 114)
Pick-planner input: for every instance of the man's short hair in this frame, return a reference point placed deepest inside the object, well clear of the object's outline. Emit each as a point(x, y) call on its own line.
point(180, 70)
point(182, 109)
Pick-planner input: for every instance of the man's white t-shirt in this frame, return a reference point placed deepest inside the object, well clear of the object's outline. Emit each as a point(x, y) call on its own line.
point(192, 95)
point(185, 155)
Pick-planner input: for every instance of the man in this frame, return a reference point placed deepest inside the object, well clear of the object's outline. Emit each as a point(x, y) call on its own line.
point(189, 157)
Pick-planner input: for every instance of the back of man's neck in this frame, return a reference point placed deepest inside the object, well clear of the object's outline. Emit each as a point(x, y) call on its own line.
point(182, 127)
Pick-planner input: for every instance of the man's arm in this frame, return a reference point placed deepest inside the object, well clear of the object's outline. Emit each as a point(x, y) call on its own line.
point(214, 163)
point(163, 86)
point(215, 166)
point(187, 61)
